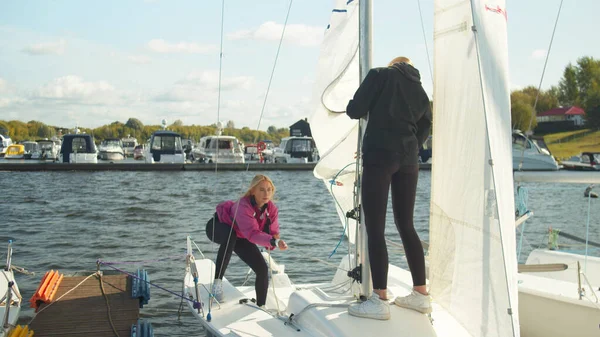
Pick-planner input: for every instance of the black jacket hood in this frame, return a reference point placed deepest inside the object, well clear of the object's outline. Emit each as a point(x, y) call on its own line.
point(399, 113)
point(411, 73)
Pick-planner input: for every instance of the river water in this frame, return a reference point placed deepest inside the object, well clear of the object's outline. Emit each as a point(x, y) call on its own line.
point(68, 220)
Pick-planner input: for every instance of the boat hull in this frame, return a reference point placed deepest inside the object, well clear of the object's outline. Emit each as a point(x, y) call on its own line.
point(316, 310)
point(551, 308)
point(111, 156)
point(549, 301)
point(538, 162)
point(15, 308)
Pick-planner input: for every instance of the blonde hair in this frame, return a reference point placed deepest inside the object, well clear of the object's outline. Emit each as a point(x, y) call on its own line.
point(257, 180)
point(401, 59)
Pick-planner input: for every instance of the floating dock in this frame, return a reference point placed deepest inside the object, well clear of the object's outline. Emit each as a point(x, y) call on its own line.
point(85, 310)
point(129, 166)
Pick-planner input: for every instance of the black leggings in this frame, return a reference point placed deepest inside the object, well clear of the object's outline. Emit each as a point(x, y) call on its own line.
point(246, 250)
point(376, 181)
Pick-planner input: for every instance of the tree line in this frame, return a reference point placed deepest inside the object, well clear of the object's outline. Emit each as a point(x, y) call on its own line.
point(579, 86)
point(34, 130)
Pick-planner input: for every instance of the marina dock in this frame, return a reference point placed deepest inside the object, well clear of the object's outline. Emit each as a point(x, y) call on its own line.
point(134, 166)
point(85, 310)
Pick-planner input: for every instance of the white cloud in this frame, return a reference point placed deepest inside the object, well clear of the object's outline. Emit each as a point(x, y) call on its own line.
point(184, 93)
point(49, 48)
point(139, 59)
point(538, 54)
point(199, 86)
point(69, 100)
point(75, 89)
point(210, 80)
point(298, 34)
point(8, 95)
point(162, 46)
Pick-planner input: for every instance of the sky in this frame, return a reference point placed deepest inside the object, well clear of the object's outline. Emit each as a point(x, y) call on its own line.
point(81, 63)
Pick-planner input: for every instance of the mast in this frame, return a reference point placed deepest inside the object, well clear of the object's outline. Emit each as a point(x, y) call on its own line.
point(365, 52)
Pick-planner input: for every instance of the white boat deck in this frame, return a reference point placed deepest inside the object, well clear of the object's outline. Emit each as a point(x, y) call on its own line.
point(316, 312)
point(549, 302)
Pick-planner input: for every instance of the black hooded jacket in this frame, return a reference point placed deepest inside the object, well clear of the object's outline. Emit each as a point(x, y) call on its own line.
point(399, 113)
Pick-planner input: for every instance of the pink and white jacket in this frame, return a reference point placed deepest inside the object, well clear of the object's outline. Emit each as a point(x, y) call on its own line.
point(250, 220)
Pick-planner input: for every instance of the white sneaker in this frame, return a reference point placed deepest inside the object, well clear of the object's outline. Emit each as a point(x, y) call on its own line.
point(415, 301)
point(374, 307)
point(217, 290)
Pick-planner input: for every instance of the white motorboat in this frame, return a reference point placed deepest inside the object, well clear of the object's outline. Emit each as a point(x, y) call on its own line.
point(296, 150)
point(49, 149)
point(218, 149)
point(528, 156)
point(78, 148)
point(31, 149)
point(111, 149)
point(129, 145)
point(165, 147)
point(5, 142)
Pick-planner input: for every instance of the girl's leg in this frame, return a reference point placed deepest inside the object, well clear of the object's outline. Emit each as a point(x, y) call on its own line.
point(250, 254)
point(375, 191)
point(404, 188)
point(225, 236)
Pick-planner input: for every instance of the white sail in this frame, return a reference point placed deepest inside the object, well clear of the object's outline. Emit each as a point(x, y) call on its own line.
point(335, 134)
point(472, 252)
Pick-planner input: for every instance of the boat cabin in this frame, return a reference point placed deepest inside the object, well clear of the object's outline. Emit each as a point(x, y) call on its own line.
point(219, 149)
point(296, 150)
point(78, 148)
point(165, 147)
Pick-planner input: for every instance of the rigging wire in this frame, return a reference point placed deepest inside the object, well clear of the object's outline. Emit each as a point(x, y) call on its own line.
point(262, 110)
point(331, 183)
point(541, 80)
point(425, 39)
point(261, 114)
point(212, 242)
point(258, 126)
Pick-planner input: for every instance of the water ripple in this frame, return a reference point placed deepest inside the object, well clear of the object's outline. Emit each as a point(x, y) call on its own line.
point(80, 217)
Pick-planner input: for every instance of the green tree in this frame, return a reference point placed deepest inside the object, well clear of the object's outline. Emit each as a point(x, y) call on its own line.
point(568, 88)
point(521, 111)
point(580, 83)
point(44, 131)
point(546, 100)
point(592, 114)
point(230, 124)
point(272, 130)
point(587, 74)
point(4, 128)
point(135, 124)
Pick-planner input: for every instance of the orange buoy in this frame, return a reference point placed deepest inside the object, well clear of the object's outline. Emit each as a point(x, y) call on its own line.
point(47, 289)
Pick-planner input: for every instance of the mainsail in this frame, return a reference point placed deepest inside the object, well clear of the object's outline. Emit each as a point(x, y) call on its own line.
point(335, 134)
point(472, 253)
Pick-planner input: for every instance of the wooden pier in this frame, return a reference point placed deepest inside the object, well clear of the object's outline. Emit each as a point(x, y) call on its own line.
point(84, 311)
point(129, 166)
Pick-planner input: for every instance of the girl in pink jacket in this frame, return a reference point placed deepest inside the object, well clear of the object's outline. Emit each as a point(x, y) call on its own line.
point(239, 226)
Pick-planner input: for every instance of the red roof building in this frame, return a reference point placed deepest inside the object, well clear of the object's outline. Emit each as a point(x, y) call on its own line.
point(571, 113)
